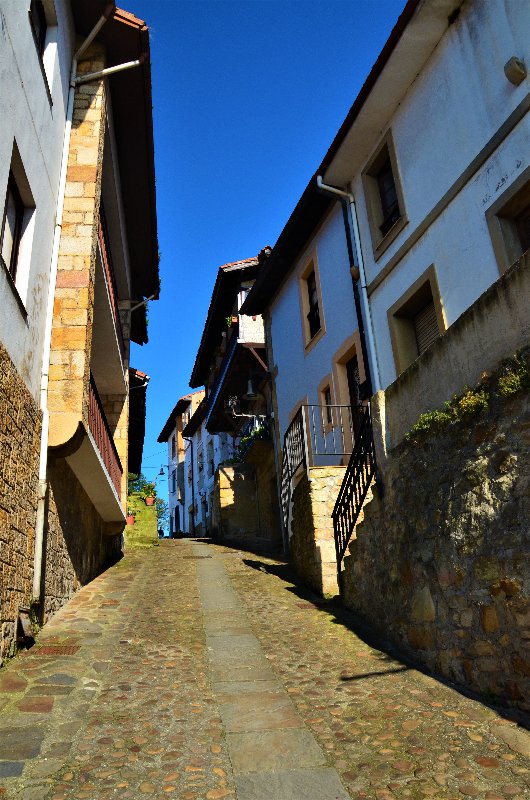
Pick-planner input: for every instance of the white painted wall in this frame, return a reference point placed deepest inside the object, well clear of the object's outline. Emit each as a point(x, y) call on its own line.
point(449, 113)
point(299, 373)
point(222, 449)
point(38, 127)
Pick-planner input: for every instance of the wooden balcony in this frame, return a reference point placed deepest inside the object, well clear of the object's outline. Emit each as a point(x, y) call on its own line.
point(100, 430)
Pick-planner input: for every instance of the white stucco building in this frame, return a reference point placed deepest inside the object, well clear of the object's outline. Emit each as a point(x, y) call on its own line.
point(193, 457)
point(432, 165)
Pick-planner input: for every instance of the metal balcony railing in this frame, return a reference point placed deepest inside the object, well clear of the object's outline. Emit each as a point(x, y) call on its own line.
point(256, 429)
point(318, 436)
point(108, 269)
point(99, 428)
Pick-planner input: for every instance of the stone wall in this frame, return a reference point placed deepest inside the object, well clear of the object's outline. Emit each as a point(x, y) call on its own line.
point(74, 293)
point(19, 466)
point(441, 565)
point(312, 544)
point(78, 547)
point(235, 512)
point(496, 325)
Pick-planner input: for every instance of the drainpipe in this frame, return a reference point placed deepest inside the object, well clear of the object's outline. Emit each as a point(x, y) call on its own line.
point(190, 440)
point(357, 272)
point(46, 347)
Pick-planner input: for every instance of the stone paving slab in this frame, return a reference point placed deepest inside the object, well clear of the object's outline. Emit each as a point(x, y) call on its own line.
point(300, 784)
point(274, 750)
point(155, 706)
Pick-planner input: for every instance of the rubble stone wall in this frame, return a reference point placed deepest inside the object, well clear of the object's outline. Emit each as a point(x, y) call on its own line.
point(78, 546)
point(19, 466)
point(441, 564)
point(312, 543)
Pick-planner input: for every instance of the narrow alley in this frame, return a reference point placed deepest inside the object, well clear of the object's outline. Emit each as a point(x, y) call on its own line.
point(194, 671)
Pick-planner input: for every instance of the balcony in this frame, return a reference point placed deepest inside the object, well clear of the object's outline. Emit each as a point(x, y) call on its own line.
point(108, 345)
point(244, 355)
point(99, 428)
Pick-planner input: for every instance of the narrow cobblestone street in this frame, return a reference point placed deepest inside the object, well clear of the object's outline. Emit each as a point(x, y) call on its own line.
point(197, 671)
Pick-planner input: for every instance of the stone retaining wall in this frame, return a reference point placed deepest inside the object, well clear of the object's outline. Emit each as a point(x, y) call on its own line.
point(19, 466)
point(312, 544)
point(441, 565)
point(78, 546)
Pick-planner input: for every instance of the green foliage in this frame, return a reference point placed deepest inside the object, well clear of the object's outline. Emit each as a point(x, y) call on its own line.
point(429, 421)
point(516, 377)
point(512, 377)
point(162, 511)
point(138, 484)
point(471, 402)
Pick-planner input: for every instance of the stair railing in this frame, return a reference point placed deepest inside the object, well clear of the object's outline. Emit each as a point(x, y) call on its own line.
point(294, 456)
point(360, 472)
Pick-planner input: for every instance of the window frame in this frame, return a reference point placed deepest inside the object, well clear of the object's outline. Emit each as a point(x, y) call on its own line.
point(501, 220)
point(309, 337)
point(382, 236)
point(20, 210)
point(402, 314)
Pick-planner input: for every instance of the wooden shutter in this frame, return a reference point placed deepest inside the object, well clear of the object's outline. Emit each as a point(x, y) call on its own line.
point(425, 327)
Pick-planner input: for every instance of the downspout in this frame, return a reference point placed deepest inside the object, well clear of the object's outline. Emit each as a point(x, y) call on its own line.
point(190, 440)
point(46, 347)
point(357, 272)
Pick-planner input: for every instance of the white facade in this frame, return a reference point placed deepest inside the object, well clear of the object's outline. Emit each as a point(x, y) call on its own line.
point(33, 113)
point(461, 135)
point(203, 454)
point(301, 368)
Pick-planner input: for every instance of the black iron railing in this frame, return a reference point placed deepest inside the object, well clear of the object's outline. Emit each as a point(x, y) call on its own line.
point(359, 475)
point(294, 456)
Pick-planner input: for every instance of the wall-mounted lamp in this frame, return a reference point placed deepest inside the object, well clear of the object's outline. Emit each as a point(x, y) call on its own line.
point(515, 70)
point(251, 393)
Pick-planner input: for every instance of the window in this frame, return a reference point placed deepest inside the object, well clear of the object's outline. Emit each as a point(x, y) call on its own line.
point(173, 447)
point(311, 304)
point(416, 320)
point(384, 199)
point(313, 315)
point(174, 481)
point(12, 227)
point(509, 222)
point(388, 197)
point(17, 226)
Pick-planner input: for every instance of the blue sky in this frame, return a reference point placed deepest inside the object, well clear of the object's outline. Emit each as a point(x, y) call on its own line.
point(247, 98)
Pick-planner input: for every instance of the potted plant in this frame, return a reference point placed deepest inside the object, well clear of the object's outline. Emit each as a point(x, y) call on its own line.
point(148, 493)
point(130, 517)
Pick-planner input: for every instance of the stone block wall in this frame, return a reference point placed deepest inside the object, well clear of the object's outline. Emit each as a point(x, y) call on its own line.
point(441, 564)
point(312, 544)
point(19, 466)
point(74, 293)
point(235, 508)
point(78, 545)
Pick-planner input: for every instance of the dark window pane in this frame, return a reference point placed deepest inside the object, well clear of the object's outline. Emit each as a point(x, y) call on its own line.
point(313, 316)
point(38, 23)
point(11, 227)
point(388, 196)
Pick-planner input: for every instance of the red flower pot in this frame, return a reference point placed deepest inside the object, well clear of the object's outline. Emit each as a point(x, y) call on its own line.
point(149, 501)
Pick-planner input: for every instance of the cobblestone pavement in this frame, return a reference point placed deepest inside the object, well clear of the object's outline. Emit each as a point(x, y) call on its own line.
point(200, 672)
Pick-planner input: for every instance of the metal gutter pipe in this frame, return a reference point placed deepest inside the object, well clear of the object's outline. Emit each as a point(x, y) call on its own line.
point(46, 347)
point(190, 440)
point(357, 272)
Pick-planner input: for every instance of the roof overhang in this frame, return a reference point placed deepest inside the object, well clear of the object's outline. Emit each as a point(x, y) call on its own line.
point(137, 409)
point(415, 35)
point(169, 426)
point(126, 38)
point(224, 292)
point(308, 214)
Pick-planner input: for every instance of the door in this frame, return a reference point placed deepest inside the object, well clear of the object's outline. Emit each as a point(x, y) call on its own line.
point(352, 375)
